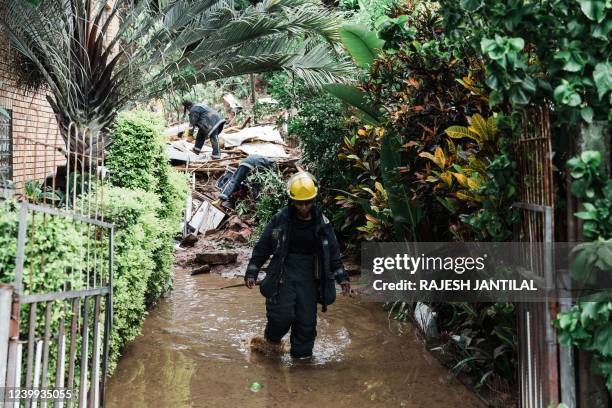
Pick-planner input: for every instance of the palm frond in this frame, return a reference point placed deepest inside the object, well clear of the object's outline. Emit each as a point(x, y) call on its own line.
point(159, 44)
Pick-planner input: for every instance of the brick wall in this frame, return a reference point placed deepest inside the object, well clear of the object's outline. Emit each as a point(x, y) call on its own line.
point(35, 131)
point(34, 127)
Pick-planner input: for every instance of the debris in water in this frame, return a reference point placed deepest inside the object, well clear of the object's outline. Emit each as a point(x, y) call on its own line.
point(201, 269)
point(255, 387)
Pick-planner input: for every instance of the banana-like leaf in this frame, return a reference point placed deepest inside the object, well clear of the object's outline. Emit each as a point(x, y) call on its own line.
point(362, 43)
point(458, 132)
point(356, 98)
point(407, 214)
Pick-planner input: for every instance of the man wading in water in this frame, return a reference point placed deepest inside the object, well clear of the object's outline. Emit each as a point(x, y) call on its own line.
point(304, 268)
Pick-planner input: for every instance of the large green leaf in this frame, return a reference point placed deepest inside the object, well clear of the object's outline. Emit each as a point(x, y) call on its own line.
point(603, 340)
point(361, 43)
point(470, 5)
point(594, 9)
point(406, 213)
point(603, 78)
point(355, 97)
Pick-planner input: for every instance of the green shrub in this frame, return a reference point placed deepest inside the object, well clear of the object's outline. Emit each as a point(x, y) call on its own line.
point(54, 257)
point(174, 188)
point(137, 150)
point(138, 238)
point(320, 125)
point(138, 159)
point(57, 239)
point(588, 325)
point(145, 224)
point(63, 243)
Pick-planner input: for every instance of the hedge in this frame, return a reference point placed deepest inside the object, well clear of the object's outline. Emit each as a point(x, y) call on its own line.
point(138, 159)
point(139, 236)
point(144, 204)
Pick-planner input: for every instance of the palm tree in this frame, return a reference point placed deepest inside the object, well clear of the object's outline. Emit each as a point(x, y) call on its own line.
point(91, 72)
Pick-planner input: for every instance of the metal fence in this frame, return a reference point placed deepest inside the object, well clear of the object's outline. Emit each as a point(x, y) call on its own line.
point(60, 318)
point(539, 355)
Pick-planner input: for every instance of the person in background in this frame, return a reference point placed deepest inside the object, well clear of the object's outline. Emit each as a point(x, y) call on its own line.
point(209, 124)
point(303, 271)
point(247, 165)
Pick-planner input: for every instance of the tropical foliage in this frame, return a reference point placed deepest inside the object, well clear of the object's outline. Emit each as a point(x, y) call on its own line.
point(555, 49)
point(425, 94)
point(587, 325)
point(433, 162)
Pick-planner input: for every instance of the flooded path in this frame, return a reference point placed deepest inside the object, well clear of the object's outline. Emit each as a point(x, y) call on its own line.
point(193, 353)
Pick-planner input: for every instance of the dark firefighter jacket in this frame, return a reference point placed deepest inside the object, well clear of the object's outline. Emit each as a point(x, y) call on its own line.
point(206, 118)
point(274, 241)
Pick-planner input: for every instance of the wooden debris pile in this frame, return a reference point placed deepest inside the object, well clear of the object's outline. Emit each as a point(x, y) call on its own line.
point(205, 213)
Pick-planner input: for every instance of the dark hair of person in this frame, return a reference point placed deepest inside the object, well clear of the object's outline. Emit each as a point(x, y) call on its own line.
point(187, 104)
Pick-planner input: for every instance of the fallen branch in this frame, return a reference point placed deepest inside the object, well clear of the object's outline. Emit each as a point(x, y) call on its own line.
point(237, 285)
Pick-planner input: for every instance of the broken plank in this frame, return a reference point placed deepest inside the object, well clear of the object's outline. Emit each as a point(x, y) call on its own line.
point(207, 217)
point(202, 170)
point(201, 269)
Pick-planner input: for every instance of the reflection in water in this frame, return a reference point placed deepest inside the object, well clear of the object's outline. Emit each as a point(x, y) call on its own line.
point(193, 352)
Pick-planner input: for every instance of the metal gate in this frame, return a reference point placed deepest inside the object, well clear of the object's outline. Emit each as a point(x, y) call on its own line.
point(60, 319)
point(538, 350)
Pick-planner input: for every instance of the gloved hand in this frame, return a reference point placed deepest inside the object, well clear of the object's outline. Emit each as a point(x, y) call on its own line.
point(346, 287)
point(249, 282)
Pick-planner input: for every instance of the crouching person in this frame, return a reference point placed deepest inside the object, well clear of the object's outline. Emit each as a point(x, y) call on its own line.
point(304, 268)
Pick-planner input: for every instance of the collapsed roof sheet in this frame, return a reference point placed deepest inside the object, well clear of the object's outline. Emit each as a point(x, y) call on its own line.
point(181, 150)
point(251, 134)
point(264, 149)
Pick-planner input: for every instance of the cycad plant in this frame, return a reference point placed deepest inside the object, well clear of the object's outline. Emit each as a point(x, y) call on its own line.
point(92, 67)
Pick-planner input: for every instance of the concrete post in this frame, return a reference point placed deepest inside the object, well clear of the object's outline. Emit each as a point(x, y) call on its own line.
point(6, 304)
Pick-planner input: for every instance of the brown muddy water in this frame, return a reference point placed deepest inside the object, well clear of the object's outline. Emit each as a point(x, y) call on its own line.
point(193, 353)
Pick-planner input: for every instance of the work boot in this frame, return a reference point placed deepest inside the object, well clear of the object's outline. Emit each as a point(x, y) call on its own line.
point(265, 346)
point(301, 357)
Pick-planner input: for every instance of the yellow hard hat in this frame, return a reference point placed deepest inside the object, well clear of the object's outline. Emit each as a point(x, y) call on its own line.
point(301, 186)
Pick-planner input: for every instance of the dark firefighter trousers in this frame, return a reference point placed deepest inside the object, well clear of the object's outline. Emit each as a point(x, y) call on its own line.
point(214, 139)
point(295, 306)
